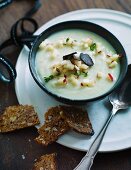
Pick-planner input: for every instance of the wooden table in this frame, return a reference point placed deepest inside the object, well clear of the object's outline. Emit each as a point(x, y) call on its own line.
point(14, 147)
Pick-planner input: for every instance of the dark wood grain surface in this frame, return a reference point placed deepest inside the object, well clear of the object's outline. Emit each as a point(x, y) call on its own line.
point(15, 145)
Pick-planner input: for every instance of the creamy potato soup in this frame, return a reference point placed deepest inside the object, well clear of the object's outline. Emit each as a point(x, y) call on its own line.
point(77, 64)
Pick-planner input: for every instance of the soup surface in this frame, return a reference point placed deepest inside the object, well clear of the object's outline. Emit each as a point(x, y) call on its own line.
point(77, 64)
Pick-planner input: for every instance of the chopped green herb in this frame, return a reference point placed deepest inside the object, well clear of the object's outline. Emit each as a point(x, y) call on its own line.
point(67, 39)
point(84, 74)
point(78, 73)
point(93, 47)
point(48, 78)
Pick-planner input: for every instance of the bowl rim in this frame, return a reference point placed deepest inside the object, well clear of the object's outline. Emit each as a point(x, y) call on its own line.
point(62, 98)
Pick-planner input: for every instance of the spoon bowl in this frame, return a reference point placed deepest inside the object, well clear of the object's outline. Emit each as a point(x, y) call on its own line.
point(116, 102)
point(122, 96)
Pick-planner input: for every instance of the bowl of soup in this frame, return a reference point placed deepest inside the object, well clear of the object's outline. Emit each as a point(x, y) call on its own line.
point(77, 62)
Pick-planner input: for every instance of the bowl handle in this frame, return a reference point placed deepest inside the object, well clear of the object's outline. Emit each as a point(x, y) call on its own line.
point(4, 3)
point(10, 69)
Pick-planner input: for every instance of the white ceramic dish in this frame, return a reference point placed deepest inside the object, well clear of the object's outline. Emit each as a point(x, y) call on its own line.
point(118, 135)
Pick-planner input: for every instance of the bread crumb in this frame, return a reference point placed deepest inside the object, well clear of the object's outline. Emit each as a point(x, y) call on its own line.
point(23, 156)
point(29, 140)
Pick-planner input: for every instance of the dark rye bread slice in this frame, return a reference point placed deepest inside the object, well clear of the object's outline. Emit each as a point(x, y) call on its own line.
point(46, 162)
point(77, 119)
point(18, 117)
point(60, 119)
point(53, 114)
point(50, 131)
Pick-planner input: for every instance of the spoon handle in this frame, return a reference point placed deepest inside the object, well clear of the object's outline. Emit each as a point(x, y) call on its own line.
point(87, 160)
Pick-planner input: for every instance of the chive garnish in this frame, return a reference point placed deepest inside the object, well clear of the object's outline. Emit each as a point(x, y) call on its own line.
point(48, 78)
point(67, 39)
point(78, 73)
point(84, 74)
point(93, 47)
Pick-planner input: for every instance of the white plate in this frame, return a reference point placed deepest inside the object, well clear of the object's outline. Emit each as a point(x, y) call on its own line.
point(118, 135)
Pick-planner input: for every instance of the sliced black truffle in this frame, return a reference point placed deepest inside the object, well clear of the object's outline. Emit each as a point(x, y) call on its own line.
point(69, 56)
point(86, 59)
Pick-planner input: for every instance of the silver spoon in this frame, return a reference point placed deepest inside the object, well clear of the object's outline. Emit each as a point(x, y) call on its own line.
point(120, 99)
